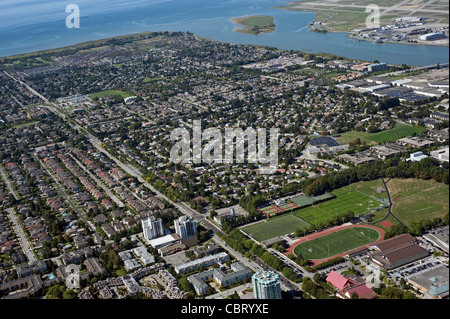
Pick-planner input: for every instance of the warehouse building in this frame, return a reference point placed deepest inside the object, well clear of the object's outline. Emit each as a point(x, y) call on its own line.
point(432, 36)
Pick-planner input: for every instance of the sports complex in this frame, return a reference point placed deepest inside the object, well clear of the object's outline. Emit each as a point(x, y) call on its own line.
point(303, 211)
point(337, 241)
point(412, 201)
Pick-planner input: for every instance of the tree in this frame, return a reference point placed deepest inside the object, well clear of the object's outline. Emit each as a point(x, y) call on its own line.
point(184, 284)
point(69, 294)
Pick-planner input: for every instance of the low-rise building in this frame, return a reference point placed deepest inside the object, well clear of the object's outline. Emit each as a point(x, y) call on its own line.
point(202, 262)
point(433, 283)
point(442, 154)
point(397, 251)
point(239, 273)
point(416, 142)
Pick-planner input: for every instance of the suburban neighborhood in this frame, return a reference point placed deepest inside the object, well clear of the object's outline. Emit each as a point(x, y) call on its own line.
point(92, 207)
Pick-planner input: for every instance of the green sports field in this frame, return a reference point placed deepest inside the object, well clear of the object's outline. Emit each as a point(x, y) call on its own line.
point(415, 200)
point(350, 198)
point(337, 243)
point(346, 199)
point(399, 131)
point(277, 226)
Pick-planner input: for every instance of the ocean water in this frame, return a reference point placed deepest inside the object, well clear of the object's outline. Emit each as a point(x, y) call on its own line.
point(32, 25)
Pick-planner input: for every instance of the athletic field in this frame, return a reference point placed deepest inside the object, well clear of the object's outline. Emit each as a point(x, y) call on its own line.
point(336, 243)
point(347, 198)
point(276, 226)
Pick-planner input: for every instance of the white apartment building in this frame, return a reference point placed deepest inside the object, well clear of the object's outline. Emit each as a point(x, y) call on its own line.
point(152, 228)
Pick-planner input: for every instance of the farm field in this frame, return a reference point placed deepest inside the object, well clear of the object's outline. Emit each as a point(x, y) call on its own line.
point(336, 243)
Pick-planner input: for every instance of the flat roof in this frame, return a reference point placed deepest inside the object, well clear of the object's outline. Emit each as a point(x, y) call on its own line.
point(437, 276)
point(164, 240)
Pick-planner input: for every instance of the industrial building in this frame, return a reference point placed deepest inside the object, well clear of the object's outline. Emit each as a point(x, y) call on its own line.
point(432, 36)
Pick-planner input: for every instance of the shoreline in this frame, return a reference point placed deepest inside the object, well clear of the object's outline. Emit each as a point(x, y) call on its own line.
point(258, 24)
point(349, 34)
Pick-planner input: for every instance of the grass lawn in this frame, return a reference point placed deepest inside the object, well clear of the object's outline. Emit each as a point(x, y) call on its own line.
point(372, 188)
point(277, 226)
point(110, 93)
point(257, 24)
point(354, 200)
point(337, 243)
point(25, 124)
point(313, 215)
point(121, 272)
point(381, 137)
point(413, 199)
point(379, 215)
point(416, 199)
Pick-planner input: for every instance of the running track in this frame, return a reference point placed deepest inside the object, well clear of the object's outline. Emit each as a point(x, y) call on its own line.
point(329, 231)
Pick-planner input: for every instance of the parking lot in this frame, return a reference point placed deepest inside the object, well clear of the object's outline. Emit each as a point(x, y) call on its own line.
point(415, 268)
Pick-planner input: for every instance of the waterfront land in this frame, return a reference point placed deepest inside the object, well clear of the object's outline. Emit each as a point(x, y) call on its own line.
point(350, 17)
point(257, 24)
